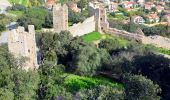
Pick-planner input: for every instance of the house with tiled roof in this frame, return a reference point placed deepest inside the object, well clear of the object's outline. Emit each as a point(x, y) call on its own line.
point(129, 4)
point(151, 18)
point(138, 19)
point(159, 8)
point(149, 6)
point(167, 11)
point(167, 17)
point(49, 3)
point(161, 3)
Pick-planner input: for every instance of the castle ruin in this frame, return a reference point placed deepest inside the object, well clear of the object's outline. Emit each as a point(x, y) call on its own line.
point(23, 44)
point(60, 17)
point(102, 24)
point(97, 21)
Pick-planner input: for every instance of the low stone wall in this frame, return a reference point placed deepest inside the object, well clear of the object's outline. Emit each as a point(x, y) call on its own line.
point(156, 40)
point(83, 28)
point(125, 34)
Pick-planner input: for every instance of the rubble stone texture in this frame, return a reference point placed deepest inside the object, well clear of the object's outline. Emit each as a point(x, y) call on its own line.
point(60, 17)
point(23, 44)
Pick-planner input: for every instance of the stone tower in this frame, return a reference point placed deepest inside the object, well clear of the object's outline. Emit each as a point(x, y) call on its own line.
point(23, 44)
point(60, 17)
point(102, 24)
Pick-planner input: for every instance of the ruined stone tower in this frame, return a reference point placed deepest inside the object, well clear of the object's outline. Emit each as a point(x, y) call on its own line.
point(23, 44)
point(60, 17)
point(102, 24)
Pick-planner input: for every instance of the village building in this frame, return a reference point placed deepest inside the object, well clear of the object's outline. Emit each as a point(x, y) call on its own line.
point(153, 18)
point(49, 3)
point(149, 5)
point(106, 2)
point(138, 20)
point(167, 17)
point(113, 7)
point(129, 4)
point(141, 2)
point(167, 11)
point(159, 8)
point(161, 3)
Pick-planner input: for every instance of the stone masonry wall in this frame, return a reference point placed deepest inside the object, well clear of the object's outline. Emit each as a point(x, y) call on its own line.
point(83, 28)
point(60, 17)
point(23, 44)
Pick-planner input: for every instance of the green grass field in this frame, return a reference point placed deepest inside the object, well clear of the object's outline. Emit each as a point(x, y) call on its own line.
point(75, 82)
point(22, 2)
point(95, 36)
point(164, 51)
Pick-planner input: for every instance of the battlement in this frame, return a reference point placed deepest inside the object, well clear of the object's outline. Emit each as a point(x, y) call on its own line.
point(22, 44)
point(60, 7)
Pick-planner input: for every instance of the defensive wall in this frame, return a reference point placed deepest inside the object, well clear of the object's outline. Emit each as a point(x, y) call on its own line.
point(23, 44)
point(83, 28)
point(98, 22)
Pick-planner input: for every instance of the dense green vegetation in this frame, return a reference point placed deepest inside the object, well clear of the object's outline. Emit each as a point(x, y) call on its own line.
point(4, 19)
point(74, 82)
point(74, 68)
point(162, 30)
point(22, 2)
point(2, 27)
point(27, 3)
point(40, 17)
point(15, 83)
point(17, 13)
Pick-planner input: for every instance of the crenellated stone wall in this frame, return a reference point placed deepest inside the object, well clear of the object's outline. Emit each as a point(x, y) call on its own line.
point(98, 22)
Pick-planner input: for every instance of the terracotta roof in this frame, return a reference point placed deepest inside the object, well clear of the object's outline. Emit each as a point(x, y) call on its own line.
point(168, 16)
point(162, 3)
point(50, 2)
point(159, 7)
point(153, 16)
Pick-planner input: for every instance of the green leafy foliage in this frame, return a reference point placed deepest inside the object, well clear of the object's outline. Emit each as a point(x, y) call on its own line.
point(75, 17)
point(33, 16)
point(2, 27)
point(14, 82)
point(75, 83)
point(111, 44)
point(82, 4)
point(101, 92)
point(162, 30)
point(138, 87)
point(87, 60)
